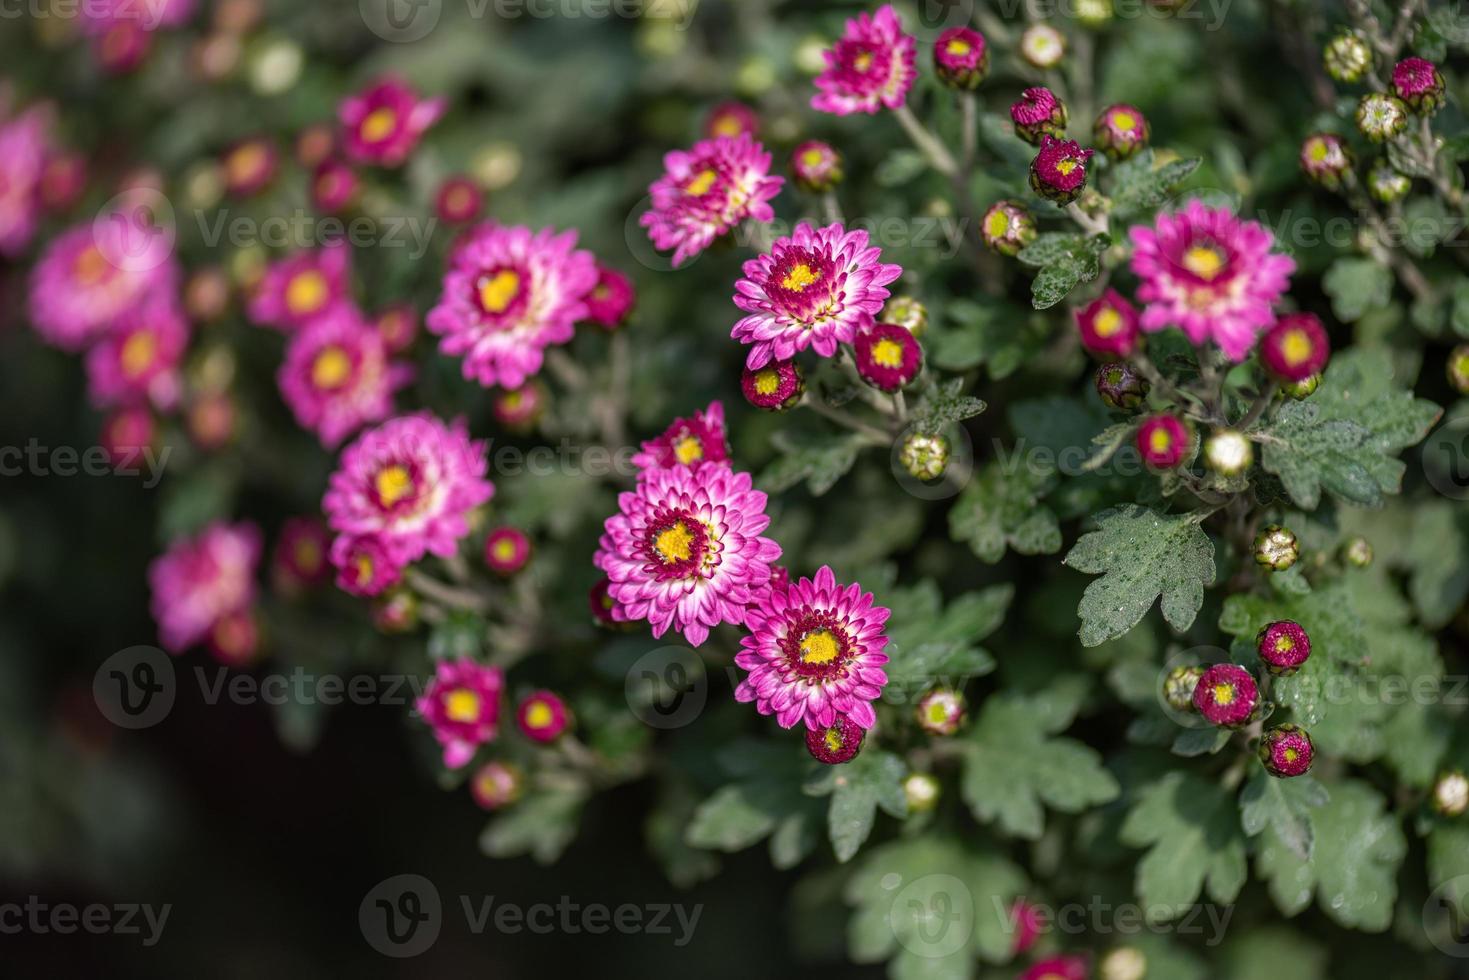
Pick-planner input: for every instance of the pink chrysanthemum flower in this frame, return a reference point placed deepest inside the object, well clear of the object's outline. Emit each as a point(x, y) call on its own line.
point(707, 191)
point(1163, 441)
point(299, 289)
point(510, 293)
point(250, 165)
point(89, 276)
point(519, 409)
point(458, 199)
point(692, 441)
point(1108, 326)
point(300, 558)
point(365, 565)
point(814, 289)
point(611, 299)
point(462, 705)
point(336, 376)
point(814, 652)
point(412, 481)
point(542, 717)
point(776, 387)
point(888, 356)
point(138, 360)
point(200, 579)
point(837, 743)
point(685, 550)
point(383, 124)
point(507, 550)
point(731, 119)
point(1295, 347)
point(870, 67)
point(23, 148)
point(1210, 274)
point(334, 186)
point(1227, 695)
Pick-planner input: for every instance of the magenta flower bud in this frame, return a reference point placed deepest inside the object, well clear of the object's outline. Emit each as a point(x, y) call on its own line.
point(1027, 920)
point(1179, 686)
point(1295, 348)
point(211, 419)
point(775, 387)
point(1058, 172)
point(250, 165)
point(888, 356)
point(459, 200)
point(1121, 130)
point(1458, 369)
point(611, 300)
point(122, 46)
point(1163, 441)
point(1109, 326)
point(816, 166)
point(940, 712)
point(507, 550)
point(1284, 647)
point(520, 408)
point(1226, 695)
point(605, 609)
point(395, 611)
point(1326, 160)
point(1286, 751)
point(365, 566)
point(1058, 968)
point(314, 144)
point(1381, 117)
point(496, 785)
point(960, 58)
point(300, 559)
point(1120, 387)
point(1419, 84)
point(836, 743)
point(1008, 227)
point(333, 186)
point(397, 325)
point(542, 717)
point(1276, 548)
point(1038, 113)
point(731, 119)
point(125, 435)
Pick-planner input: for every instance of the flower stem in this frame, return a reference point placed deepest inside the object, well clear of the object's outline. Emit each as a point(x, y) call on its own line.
point(1262, 401)
point(938, 155)
point(875, 435)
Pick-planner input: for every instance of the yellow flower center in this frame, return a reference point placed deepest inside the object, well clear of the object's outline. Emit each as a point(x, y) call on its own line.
point(863, 62)
point(1318, 151)
point(997, 224)
point(91, 266)
point(688, 450)
point(462, 705)
point(364, 570)
point(1160, 441)
point(1066, 166)
point(767, 382)
point(800, 276)
point(1107, 322)
point(1291, 755)
point(813, 158)
point(499, 291)
point(1296, 347)
point(727, 126)
point(505, 549)
point(1203, 261)
point(393, 484)
point(888, 353)
point(245, 162)
point(937, 713)
point(1124, 121)
point(958, 47)
point(819, 647)
point(331, 368)
point(379, 125)
point(1223, 693)
point(675, 543)
point(701, 183)
point(539, 715)
point(138, 352)
point(833, 740)
point(307, 292)
point(1284, 644)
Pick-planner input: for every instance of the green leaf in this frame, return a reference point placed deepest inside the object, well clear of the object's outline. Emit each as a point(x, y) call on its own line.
point(999, 336)
point(1356, 286)
point(1142, 555)
point(1000, 508)
point(931, 646)
point(541, 825)
point(944, 406)
point(1352, 871)
point(1013, 764)
point(1459, 320)
point(1283, 806)
point(820, 461)
point(1448, 867)
point(1272, 951)
point(1346, 437)
point(1192, 831)
point(873, 779)
point(1439, 546)
point(1064, 260)
point(1139, 185)
point(1193, 742)
point(900, 167)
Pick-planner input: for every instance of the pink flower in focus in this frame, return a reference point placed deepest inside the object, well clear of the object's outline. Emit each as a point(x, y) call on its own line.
point(685, 552)
point(383, 124)
point(462, 705)
point(814, 289)
point(815, 651)
point(870, 67)
point(299, 289)
point(693, 442)
point(1209, 274)
point(200, 579)
point(412, 481)
point(138, 359)
point(707, 191)
point(510, 293)
point(336, 376)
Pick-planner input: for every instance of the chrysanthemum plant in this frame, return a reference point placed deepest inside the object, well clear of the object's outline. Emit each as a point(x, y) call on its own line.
point(774, 611)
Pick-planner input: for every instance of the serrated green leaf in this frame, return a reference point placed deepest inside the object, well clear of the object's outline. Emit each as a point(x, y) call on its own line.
point(1353, 868)
point(1142, 555)
point(931, 646)
point(1192, 831)
point(1439, 546)
point(1284, 806)
point(944, 406)
point(1001, 508)
point(1356, 286)
point(819, 461)
point(873, 779)
point(1139, 185)
point(541, 825)
point(1012, 765)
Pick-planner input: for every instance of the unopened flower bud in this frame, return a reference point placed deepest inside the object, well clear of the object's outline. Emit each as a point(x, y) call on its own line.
point(906, 312)
point(925, 457)
point(816, 166)
point(1121, 130)
point(1228, 452)
point(1178, 687)
point(941, 712)
point(1419, 84)
point(1386, 184)
point(1381, 117)
point(1326, 160)
point(1283, 647)
point(1286, 751)
point(1058, 172)
point(1042, 45)
point(921, 791)
point(1357, 552)
point(1008, 227)
point(1451, 794)
point(1347, 57)
point(1276, 548)
point(1227, 695)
